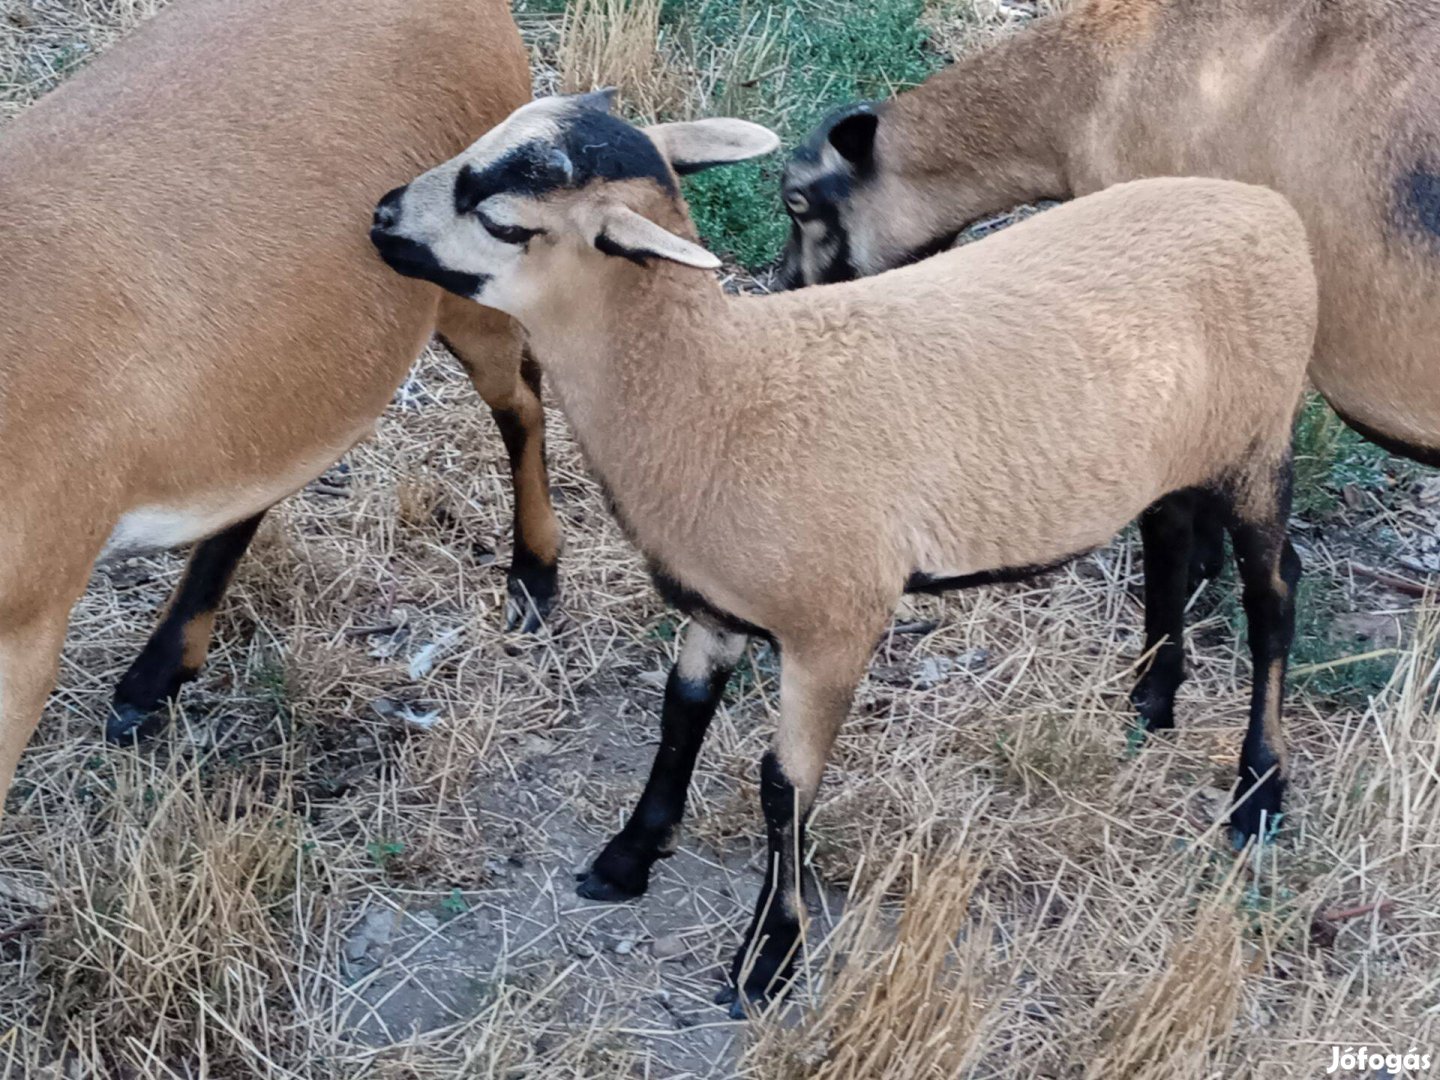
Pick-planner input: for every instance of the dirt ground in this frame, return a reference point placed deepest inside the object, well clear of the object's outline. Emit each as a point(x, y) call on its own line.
point(353, 852)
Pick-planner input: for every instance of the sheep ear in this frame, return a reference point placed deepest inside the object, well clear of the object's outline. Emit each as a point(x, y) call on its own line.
point(853, 135)
point(702, 144)
point(602, 100)
point(635, 237)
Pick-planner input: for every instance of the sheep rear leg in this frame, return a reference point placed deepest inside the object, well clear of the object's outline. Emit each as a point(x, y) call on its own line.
point(815, 696)
point(488, 346)
point(692, 694)
point(1207, 548)
point(180, 641)
point(1269, 573)
point(1166, 530)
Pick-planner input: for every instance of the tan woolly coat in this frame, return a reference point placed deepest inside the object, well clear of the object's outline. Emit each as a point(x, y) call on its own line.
point(795, 458)
point(192, 322)
point(1335, 104)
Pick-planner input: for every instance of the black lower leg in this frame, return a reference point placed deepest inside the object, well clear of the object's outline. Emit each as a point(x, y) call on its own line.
point(622, 870)
point(1165, 532)
point(766, 960)
point(533, 579)
point(1207, 547)
point(176, 649)
point(1269, 571)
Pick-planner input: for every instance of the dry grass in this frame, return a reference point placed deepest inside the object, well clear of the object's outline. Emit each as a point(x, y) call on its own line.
point(618, 43)
point(351, 855)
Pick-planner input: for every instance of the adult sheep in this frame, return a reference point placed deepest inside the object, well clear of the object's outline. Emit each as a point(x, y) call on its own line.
point(193, 326)
point(1333, 103)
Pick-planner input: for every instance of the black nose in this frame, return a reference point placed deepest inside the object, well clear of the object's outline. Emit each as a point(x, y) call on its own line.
point(387, 214)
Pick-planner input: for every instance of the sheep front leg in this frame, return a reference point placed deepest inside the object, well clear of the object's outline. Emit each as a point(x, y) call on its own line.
point(692, 694)
point(815, 696)
point(489, 348)
point(1165, 534)
point(1269, 573)
point(178, 645)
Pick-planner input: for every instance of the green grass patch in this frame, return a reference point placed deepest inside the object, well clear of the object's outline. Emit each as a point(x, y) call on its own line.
point(1329, 455)
point(1319, 600)
point(787, 69)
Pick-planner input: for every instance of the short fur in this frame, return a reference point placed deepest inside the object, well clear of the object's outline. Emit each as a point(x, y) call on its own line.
point(1333, 103)
point(193, 324)
point(792, 462)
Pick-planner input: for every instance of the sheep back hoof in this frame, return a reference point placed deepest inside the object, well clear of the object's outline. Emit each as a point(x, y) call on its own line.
point(532, 598)
point(130, 723)
point(1258, 816)
point(594, 887)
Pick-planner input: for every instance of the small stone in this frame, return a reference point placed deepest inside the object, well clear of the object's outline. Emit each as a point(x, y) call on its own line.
point(583, 949)
point(379, 925)
point(669, 947)
point(537, 746)
point(977, 659)
point(427, 920)
point(624, 946)
point(932, 671)
point(356, 948)
point(656, 680)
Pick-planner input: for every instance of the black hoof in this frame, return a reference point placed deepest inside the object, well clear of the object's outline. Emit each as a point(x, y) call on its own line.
point(130, 724)
point(1155, 707)
point(753, 1003)
point(532, 598)
point(595, 886)
point(1258, 816)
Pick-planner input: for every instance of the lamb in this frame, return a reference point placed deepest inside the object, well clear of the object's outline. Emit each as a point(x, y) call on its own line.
point(1335, 105)
point(194, 326)
point(791, 465)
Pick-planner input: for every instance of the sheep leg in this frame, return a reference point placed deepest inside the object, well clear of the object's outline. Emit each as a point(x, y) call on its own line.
point(177, 647)
point(29, 656)
point(1269, 573)
point(815, 696)
point(1207, 548)
point(1165, 534)
point(488, 346)
point(622, 871)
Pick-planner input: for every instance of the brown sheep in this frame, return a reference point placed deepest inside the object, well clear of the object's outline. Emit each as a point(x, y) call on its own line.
point(1334, 104)
point(194, 326)
point(791, 465)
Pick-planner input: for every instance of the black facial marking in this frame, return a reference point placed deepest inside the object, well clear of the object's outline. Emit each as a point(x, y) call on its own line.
point(604, 147)
point(608, 246)
point(532, 169)
point(506, 234)
point(921, 582)
point(837, 267)
point(598, 146)
point(416, 260)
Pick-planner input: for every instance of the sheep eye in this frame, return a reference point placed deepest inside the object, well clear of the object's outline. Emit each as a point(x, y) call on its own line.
point(796, 201)
point(506, 234)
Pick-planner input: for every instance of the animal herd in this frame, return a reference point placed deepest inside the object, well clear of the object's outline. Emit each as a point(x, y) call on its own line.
point(195, 325)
